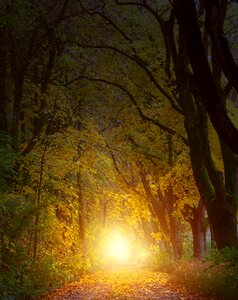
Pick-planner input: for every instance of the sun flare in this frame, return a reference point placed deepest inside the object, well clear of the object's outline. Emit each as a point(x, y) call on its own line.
point(123, 248)
point(118, 249)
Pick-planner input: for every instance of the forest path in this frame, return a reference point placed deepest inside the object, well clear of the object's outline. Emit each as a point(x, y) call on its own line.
point(120, 283)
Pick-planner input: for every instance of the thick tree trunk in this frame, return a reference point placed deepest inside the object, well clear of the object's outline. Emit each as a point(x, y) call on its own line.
point(221, 210)
point(157, 205)
point(162, 206)
point(175, 225)
point(175, 237)
point(224, 217)
point(198, 227)
point(210, 97)
point(223, 221)
point(215, 14)
point(147, 231)
point(199, 239)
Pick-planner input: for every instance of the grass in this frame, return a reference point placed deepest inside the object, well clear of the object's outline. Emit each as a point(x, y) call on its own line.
point(204, 278)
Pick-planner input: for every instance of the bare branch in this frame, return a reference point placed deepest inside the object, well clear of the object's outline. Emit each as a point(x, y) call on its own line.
point(140, 62)
point(163, 26)
point(147, 155)
point(110, 21)
point(131, 97)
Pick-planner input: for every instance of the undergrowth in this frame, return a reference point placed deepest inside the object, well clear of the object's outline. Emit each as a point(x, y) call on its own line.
point(215, 276)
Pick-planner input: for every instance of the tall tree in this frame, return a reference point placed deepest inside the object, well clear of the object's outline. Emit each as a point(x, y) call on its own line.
point(187, 17)
point(186, 98)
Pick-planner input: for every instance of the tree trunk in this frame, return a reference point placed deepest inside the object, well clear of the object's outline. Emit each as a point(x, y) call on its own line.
point(3, 73)
point(175, 237)
point(157, 205)
point(196, 89)
point(198, 227)
point(210, 97)
point(223, 221)
point(37, 217)
point(147, 231)
point(174, 224)
point(221, 210)
point(81, 221)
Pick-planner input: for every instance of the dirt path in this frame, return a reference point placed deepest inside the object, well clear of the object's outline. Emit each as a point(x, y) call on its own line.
point(121, 284)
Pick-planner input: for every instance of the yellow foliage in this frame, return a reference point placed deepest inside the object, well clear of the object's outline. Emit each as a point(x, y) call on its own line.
point(182, 182)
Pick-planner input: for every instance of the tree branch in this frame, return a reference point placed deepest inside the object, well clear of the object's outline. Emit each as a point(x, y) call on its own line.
point(136, 105)
point(214, 26)
point(141, 63)
point(162, 25)
point(110, 21)
point(187, 19)
point(127, 183)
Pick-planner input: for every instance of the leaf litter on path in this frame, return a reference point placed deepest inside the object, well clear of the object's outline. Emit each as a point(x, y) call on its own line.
point(120, 284)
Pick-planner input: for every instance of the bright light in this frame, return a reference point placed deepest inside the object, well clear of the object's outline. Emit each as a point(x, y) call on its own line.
point(121, 247)
point(143, 255)
point(117, 249)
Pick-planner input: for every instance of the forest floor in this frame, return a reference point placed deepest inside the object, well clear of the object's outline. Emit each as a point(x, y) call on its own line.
point(121, 283)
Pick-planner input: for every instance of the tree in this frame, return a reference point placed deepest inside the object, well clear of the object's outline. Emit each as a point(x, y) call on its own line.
point(188, 204)
point(187, 18)
point(222, 211)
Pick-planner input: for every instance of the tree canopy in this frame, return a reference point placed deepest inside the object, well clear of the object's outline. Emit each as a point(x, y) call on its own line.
point(114, 116)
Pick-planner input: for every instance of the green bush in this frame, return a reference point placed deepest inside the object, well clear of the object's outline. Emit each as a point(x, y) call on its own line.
point(58, 260)
point(8, 161)
point(217, 276)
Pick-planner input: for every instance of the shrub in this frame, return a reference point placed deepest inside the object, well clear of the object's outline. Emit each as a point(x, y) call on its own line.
point(215, 277)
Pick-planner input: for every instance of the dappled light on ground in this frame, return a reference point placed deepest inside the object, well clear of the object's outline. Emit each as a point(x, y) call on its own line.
point(120, 283)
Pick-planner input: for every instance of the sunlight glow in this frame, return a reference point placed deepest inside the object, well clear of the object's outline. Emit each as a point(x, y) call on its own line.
point(121, 247)
point(118, 249)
